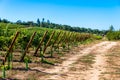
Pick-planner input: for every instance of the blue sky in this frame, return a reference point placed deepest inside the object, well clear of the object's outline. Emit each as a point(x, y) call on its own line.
point(95, 14)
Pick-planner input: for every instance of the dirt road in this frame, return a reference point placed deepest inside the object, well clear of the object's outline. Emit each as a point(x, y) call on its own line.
point(64, 71)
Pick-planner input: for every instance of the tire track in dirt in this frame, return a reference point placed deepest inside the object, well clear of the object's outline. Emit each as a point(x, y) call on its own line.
point(100, 61)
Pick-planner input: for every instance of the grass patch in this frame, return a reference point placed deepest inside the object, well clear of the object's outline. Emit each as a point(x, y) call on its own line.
point(113, 63)
point(88, 41)
point(88, 60)
point(111, 73)
point(47, 62)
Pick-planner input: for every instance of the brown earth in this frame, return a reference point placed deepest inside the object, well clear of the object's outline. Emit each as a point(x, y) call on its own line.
point(86, 63)
point(63, 72)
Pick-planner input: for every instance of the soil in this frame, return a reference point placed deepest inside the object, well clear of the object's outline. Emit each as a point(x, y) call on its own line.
point(63, 72)
point(72, 68)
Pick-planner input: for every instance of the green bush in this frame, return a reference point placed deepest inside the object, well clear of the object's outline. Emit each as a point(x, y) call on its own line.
point(113, 35)
point(98, 37)
point(5, 42)
point(2, 41)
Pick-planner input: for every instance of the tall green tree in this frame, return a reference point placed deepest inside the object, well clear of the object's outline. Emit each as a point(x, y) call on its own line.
point(111, 28)
point(48, 21)
point(48, 24)
point(43, 22)
point(0, 20)
point(38, 22)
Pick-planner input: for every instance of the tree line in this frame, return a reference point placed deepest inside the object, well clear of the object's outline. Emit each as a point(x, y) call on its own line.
point(47, 24)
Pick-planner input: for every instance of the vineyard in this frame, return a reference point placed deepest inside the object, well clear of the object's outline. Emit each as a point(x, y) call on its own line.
point(35, 45)
point(36, 53)
point(59, 40)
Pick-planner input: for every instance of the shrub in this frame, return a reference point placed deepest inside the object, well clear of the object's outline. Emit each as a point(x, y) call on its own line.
point(113, 35)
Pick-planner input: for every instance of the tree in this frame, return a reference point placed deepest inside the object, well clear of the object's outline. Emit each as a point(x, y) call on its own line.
point(111, 28)
point(89, 30)
point(48, 24)
point(38, 22)
point(18, 22)
point(0, 20)
point(48, 21)
point(30, 23)
point(43, 22)
point(5, 21)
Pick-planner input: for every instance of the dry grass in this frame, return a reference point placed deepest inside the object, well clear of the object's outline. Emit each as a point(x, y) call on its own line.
point(113, 64)
point(84, 63)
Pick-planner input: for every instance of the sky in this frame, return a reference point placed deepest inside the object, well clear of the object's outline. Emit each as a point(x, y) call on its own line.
point(95, 14)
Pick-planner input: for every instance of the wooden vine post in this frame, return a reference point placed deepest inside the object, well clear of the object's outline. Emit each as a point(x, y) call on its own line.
point(73, 38)
point(44, 50)
point(69, 40)
point(61, 39)
point(56, 38)
point(27, 47)
point(65, 40)
point(40, 43)
point(9, 52)
point(54, 43)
